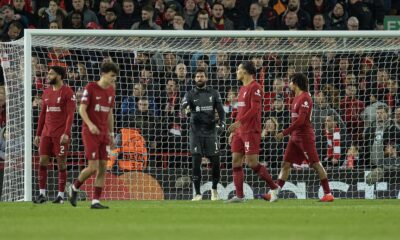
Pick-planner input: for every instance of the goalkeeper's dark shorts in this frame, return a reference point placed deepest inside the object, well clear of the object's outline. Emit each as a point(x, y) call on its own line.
point(205, 146)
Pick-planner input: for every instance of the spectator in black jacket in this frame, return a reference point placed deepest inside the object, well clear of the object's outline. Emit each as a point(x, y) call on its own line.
point(256, 21)
point(336, 19)
point(130, 14)
point(234, 14)
point(360, 10)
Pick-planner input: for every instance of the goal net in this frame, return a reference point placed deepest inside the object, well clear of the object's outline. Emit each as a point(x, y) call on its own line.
point(353, 80)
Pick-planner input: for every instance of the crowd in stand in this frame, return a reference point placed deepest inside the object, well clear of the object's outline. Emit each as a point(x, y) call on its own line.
point(356, 96)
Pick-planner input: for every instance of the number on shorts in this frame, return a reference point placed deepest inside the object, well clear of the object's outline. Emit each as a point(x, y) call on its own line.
point(62, 150)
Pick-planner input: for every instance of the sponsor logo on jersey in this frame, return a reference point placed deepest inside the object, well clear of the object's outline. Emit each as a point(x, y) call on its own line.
point(305, 105)
point(241, 104)
point(58, 99)
point(99, 108)
point(53, 109)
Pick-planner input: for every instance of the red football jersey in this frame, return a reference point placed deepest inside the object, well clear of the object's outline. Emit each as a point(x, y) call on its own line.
point(249, 108)
point(57, 112)
point(301, 104)
point(99, 103)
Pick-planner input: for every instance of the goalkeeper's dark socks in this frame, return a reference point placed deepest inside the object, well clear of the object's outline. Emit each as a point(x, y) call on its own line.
point(238, 178)
point(97, 193)
point(42, 177)
point(77, 184)
point(196, 172)
point(325, 186)
point(216, 171)
point(280, 183)
point(263, 173)
point(62, 180)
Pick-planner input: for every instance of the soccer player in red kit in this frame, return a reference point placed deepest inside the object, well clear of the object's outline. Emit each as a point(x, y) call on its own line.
point(96, 110)
point(54, 130)
point(302, 138)
point(245, 132)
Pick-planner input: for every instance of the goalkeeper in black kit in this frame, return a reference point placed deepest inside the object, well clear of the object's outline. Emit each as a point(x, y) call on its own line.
point(201, 104)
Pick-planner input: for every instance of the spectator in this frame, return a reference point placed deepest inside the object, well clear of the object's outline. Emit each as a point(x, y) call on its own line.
point(360, 10)
point(145, 121)
point(269, 13)
point(333, 143)
point(235, 14)
point(167, 19)
point(337, 17)
point(377, 136)
point(74, 20)
point(369, 113)
point(392, 95)
point(304, 20)
point(111, 18)
point(10, 16)
point(390, 162)
point(319, 22)
point(321, 7)
point(147, 20)
point(190, 12)
point(278, 88)
point(231, 104)
point(317, 73)
point(222, 80)
point(129, 16)
point(256, 19)
point(351, 108)
point(184, 80)
point(202, 21)
point(19, 9)
point(179, 22)
point(272, 158)
point(321, 111)
point(129, 104)
point(352, 24)
point(279, 112)
point(88, 15)
point(14, 32)
point(378, 11)
point(291, 21)
point(50, 14)
point(352, 158)
point(101, 15)
point(203, 5)
point(261, 71)
point(218, 19)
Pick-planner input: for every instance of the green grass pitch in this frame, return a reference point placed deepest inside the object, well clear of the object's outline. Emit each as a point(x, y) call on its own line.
point(175, 220)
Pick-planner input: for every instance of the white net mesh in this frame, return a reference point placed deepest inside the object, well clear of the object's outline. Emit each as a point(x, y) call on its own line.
point(349, 79)
point(12, 56)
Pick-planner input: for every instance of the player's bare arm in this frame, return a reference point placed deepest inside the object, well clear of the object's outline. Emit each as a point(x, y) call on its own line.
point(85, 117)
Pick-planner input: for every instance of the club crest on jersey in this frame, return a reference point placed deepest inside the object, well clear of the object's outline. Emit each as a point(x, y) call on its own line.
point(244, 94)
point(258, 93)
point(305, 104)
point(109, 99)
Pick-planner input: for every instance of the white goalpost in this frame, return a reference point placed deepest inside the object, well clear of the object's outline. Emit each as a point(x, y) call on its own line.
point(352, 75)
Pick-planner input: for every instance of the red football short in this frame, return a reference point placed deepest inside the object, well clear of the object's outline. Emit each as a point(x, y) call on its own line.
point(50, 146)
point(95, 146)
point(299, 150)
point(247, 143)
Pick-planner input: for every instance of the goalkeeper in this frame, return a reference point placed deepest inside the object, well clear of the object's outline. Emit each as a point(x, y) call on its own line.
point(202, 102)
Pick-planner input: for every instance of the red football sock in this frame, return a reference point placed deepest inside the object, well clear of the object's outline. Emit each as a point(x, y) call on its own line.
point(325, 185)
point(262, 171)
point(77, 184)
point(97, 193)
point(238, 177)
point(280, 183)
point(62, 179)
point(42, 177)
